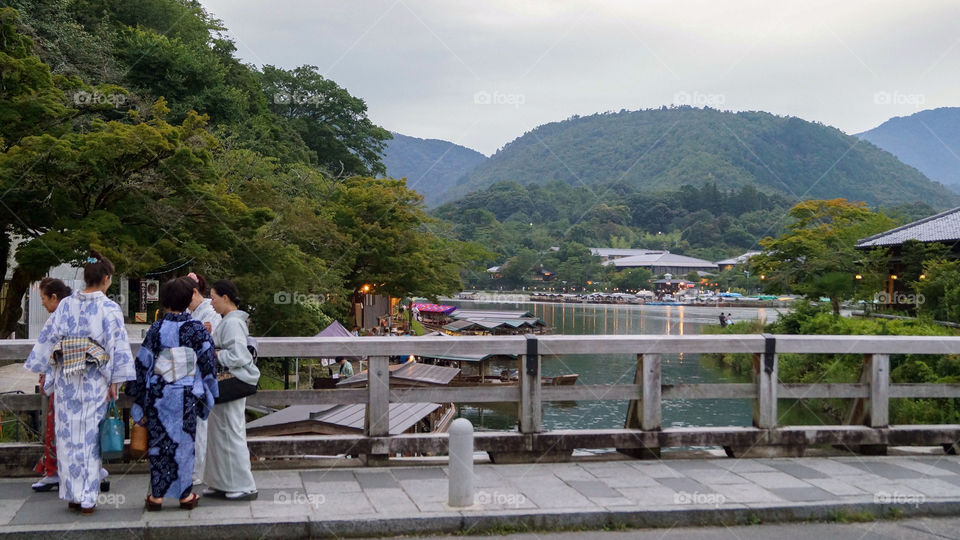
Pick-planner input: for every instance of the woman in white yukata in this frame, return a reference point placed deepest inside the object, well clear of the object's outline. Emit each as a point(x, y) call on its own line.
point(93, 357)
point(227, 471)
point(201, 309)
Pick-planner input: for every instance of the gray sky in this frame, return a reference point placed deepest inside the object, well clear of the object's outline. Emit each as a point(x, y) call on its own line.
point(481, 74)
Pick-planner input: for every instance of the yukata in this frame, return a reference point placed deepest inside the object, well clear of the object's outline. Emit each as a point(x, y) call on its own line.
point(203, 313)
point(176, 384)
point(80, 397)
point(228, 458)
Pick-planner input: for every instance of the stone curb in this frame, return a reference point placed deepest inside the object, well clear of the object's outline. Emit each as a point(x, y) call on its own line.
point(467, 522)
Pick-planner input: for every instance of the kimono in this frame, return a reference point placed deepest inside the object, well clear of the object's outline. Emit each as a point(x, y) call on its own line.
point(80, 399)
point(203, 313)
point(228, 458)
point(176, 384)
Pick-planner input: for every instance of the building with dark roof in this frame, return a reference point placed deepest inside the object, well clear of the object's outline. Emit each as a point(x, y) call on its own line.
point(943, 228)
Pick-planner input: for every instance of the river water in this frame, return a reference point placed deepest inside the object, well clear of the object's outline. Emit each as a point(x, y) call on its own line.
point(620, 369)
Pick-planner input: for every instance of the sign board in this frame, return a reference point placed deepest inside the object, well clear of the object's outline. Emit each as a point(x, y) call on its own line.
point(153, 290)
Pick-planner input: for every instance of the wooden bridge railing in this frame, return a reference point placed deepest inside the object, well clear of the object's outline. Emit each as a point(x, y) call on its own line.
point(867, 428)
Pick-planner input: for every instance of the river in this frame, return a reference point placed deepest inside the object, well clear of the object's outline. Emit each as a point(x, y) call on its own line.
point(620, 369)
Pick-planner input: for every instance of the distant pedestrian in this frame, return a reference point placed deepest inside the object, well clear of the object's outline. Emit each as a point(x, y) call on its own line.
point(723, 320)
point(346, 369)
point(729, 318)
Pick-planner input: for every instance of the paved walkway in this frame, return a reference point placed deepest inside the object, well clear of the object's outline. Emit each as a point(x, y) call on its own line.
point(412, 500)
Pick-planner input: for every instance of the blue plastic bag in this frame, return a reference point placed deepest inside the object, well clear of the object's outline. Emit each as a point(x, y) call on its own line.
point(111, 433)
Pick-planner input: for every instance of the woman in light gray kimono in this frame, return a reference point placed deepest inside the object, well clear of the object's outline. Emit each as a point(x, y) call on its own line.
point(92, 357)
point(202, 310)
point(227, 472)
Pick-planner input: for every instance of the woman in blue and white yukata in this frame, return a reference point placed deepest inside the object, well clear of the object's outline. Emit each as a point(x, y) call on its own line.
point(93, 357)
point(176, 384)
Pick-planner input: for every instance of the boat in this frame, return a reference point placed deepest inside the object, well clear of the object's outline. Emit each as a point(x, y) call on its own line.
point(492, 369)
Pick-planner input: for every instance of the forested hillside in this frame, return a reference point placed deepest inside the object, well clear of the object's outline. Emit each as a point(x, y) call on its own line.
point(662, 149)
point(431, 166)
point(928, 140)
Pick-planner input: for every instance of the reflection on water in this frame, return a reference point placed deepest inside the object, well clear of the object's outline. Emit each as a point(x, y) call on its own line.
point(620, 369)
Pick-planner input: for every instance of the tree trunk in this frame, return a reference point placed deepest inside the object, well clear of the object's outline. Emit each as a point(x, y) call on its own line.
point(835, 302)
point(12, 307)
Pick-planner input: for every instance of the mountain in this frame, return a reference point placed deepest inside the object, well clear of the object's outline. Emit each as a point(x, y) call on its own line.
point(429, 165)
point(928, 140)
point(662, 149)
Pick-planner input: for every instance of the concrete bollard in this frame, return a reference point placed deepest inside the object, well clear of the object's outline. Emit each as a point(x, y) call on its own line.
point(460, 483)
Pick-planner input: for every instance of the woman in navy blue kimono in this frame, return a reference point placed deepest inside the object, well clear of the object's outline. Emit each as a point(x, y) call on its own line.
point(176, 384)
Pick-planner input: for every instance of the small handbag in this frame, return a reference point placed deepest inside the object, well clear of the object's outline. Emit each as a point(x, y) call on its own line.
point(232, 388)
point(111, 433)
point(138, 442)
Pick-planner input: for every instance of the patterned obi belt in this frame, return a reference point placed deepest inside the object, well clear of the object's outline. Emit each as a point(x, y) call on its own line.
point(176, 363)
point(74, 353)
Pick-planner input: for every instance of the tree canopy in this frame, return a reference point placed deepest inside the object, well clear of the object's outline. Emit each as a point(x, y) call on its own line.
point(171, 157)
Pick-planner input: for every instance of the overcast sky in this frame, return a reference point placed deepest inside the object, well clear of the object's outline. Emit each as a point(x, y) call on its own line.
point(481, 74)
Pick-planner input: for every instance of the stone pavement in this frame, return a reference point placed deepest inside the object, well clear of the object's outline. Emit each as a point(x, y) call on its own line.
point(335, 502)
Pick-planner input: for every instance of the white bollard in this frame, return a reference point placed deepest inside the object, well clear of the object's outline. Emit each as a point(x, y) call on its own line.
point(460, 482)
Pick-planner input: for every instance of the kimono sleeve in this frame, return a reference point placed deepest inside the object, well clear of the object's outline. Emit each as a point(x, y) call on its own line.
point(205, 384)
point(120, 367)
point(138, 388)
point(233, 351)
point(40, 359)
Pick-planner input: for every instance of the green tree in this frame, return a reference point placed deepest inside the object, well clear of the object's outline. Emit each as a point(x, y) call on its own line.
point(817, 255)
point(939, 290)
point(518, 271)
point(633, 279)
point(333, 123)
point(577, 265)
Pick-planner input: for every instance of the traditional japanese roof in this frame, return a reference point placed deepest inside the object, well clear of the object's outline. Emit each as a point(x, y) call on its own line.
point(614, 252)
point(469, 357)
point(737, 260)
point(942, 227)
point(434, 308)
point(337, 418)
point(412, 373)
point(660, 258)
point(472, 324)
point(485, 314)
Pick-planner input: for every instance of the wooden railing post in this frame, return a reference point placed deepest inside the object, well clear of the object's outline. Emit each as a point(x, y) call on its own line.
point(646, 412)
point(873, 411)
point(765, 373)
point(652, 417)
point(531, 405)
point(377, 419)
point(879, 365)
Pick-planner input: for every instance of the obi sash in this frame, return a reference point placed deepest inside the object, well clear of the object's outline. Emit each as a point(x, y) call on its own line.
point(73, 354)
point(175, 363)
